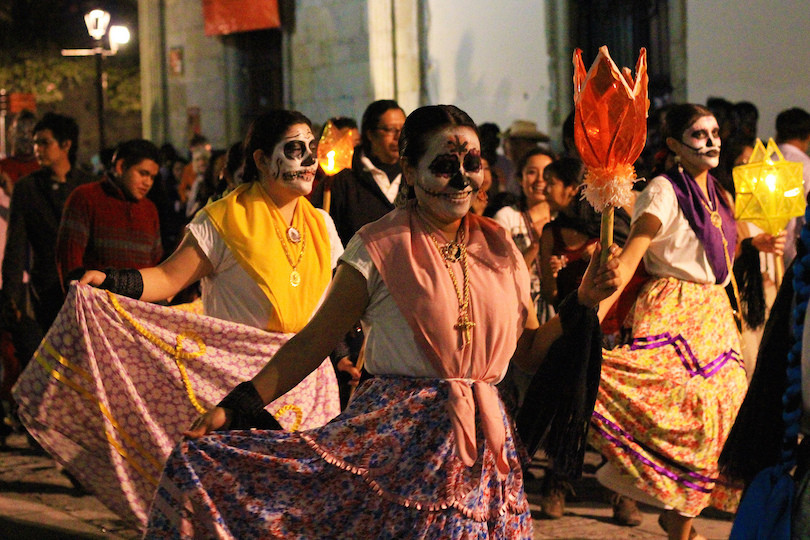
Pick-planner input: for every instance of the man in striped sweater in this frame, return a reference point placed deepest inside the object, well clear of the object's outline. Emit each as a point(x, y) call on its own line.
point(111, 223)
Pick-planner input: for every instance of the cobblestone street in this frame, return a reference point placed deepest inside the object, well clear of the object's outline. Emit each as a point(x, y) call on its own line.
point(38, 502)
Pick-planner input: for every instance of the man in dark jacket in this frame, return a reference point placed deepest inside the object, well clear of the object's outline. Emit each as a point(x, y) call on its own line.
point(368, 190)
point(35, 212)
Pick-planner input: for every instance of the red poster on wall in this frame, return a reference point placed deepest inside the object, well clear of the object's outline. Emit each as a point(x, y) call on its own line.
point(224, 17)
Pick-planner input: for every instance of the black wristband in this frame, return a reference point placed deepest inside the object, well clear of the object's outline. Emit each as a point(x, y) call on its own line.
point(247, 408)
point(126, 282)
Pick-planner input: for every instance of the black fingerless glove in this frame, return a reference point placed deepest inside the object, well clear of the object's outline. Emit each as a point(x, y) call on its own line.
point(247, 409)
point(126, 282)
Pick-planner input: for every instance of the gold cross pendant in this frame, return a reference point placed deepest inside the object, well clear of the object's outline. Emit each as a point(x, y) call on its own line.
point(464, 325)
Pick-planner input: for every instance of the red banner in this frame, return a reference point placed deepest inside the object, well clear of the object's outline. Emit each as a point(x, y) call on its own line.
point(224, 17)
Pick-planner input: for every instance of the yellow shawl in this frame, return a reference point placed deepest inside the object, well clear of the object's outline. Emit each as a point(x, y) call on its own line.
point(250, 224)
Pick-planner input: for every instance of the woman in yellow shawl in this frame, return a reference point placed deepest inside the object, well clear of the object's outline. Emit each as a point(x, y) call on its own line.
point(264, 253)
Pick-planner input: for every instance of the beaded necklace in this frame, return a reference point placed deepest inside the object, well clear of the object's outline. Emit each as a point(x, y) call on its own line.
point(295, 276)
point(451, 252)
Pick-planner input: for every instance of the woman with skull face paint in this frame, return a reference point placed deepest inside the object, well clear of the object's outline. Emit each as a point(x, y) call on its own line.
point(667, 400)
point(425, 449)
point(264, 254)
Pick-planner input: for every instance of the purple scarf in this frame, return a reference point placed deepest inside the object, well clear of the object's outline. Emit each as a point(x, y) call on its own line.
point(691, 201)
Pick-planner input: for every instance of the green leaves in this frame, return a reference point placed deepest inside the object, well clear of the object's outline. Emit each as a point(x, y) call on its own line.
point(49, 76)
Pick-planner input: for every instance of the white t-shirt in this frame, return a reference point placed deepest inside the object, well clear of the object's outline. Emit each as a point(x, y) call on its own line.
point(229, 293)
point(675, 251)
point(515, 224)
point(390, 345)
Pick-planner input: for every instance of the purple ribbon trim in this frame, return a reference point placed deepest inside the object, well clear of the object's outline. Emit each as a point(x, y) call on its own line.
point(647, 461)
point(614, 427)
point(688, 358)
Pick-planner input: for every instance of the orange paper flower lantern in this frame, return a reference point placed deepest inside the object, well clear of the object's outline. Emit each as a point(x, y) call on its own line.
point(610, 126)
point(335, 149)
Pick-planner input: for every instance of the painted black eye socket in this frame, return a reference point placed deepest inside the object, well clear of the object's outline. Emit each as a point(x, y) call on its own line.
point(472, 163)
point(297, 149)
point(445, 165)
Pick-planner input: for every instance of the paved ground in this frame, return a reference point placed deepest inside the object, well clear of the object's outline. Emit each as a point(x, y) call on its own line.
point(39, 502)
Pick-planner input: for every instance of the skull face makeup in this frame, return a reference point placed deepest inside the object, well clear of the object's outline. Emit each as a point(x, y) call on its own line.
point(292, 162)
point(449, 173)
point(699, 147)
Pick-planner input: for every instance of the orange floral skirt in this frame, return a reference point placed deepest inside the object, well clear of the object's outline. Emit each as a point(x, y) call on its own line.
point(668, 399)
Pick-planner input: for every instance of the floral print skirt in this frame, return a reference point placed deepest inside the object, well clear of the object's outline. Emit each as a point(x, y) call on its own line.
point(387, 467)
point(668, 399)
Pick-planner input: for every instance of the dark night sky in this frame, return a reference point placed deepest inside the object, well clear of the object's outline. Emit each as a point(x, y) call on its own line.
point(56, 24)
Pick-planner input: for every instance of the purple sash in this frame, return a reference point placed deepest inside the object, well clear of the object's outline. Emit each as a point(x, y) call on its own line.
point(691, 201)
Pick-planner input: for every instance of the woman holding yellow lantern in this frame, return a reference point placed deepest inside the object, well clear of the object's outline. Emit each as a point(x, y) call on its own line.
point(667, 400)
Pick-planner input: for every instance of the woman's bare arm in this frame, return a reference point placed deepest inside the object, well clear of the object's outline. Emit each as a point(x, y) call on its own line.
point(345, 302)
point(186, 265)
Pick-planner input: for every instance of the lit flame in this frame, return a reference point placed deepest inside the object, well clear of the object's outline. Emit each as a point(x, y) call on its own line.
point(770, 181)
point(335, 149)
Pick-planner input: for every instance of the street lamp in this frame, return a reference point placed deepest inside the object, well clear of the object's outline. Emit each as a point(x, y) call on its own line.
point(98, 24)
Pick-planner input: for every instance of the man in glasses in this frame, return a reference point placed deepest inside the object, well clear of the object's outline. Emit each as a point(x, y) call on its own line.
point(365, 193)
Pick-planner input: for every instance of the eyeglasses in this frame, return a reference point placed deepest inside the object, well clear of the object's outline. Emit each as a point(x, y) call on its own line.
point(390, 130)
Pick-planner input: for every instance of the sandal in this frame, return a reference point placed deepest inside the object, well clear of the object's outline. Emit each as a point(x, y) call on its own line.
point(664, 524)
point(625, 511)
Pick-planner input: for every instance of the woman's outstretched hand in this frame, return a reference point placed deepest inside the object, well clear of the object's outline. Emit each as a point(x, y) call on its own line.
point(600, 281)
point(212, 420)
point(93, 277)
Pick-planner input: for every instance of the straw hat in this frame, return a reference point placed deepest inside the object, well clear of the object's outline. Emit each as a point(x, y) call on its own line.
point(525, 129)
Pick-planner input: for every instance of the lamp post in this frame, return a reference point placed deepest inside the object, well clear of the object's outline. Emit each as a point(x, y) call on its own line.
point(98, 24)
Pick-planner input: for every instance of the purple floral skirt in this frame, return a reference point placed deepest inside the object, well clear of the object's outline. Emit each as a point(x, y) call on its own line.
point(105, 394)
point(385, 468)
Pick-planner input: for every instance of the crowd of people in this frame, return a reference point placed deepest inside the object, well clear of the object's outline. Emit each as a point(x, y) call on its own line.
point(428, 286)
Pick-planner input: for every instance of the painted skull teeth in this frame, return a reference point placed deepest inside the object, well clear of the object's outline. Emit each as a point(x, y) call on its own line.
point(293, 175)
point(456, 195)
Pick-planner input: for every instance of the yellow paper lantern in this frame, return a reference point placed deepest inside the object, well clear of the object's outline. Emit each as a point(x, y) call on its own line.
point(770, 190)
point(335, 149)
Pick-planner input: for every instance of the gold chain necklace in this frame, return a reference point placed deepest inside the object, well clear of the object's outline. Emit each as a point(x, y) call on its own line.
point(717, 221)
point(295, 276)
point(452, 252)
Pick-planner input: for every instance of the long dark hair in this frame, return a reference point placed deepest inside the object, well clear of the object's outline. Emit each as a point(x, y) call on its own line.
point(522, 202)
point(264, 134)
point(569, 170)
